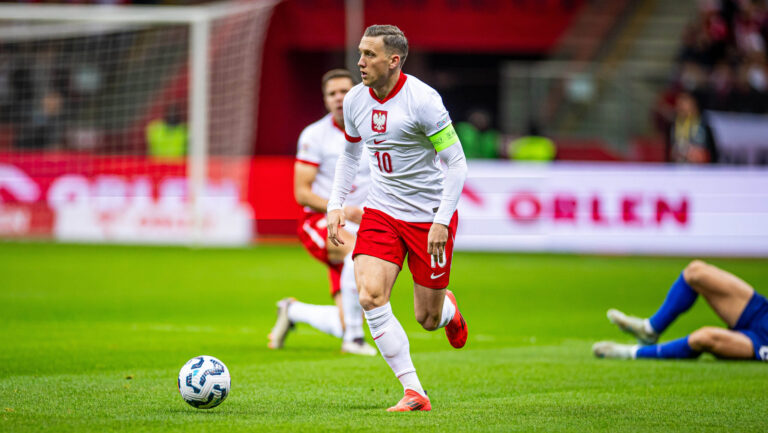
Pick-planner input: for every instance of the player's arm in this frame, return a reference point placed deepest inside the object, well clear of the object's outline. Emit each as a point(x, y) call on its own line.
point(346, 169)
point(449, 149)
point(303, 176)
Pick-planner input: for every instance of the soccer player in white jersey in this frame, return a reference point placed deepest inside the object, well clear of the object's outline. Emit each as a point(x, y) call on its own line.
point(319, 147)
point(404, 130)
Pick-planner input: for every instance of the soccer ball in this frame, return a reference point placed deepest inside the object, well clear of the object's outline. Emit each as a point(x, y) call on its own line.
point(204, 382)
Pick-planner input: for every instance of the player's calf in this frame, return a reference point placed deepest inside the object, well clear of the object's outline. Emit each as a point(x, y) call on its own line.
point(704, 339)
point(429, 320)
point(723, 343)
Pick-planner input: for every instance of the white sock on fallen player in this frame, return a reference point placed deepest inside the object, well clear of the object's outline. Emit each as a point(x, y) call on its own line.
point(393, 345)
point(353, 312)
point(449, 310)
point(324, 318)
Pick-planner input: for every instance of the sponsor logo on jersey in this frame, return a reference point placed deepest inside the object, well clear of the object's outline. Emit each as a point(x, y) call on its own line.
point(442, 123)
point(379, 121)
point(375, 141)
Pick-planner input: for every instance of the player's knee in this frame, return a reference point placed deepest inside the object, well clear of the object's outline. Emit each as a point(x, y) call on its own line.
point(694, 272)
point(370, 298)
point(428, 321)
point(704, 339)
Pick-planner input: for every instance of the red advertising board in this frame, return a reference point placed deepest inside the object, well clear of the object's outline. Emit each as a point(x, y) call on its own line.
point(64, 195)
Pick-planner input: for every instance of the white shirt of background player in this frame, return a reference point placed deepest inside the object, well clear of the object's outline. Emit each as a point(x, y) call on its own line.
point(308, 178)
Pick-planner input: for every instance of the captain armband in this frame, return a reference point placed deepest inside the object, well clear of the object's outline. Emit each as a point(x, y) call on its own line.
point(445, 138)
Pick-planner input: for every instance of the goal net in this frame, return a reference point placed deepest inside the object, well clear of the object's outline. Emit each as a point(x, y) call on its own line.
point(129, 123)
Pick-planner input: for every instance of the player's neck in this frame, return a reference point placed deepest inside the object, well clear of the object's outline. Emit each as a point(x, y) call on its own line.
point(339, 123)
point(383, 90)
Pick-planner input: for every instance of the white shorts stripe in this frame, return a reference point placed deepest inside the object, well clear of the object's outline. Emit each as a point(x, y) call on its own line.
point(313, 234)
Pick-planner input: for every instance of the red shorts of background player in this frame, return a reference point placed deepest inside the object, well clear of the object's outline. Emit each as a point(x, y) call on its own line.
point(313, 234)
point(389, 239)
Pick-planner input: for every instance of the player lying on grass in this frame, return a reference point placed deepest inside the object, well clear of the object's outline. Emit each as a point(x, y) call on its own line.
point(320, 145)
point(741, 308)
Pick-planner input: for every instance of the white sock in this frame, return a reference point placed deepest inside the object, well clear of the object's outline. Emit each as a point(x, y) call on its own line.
point(411, 381)
point(392, 342)
point(648, 328)
point(449, 310)
point(350, 302)
point(324, 318)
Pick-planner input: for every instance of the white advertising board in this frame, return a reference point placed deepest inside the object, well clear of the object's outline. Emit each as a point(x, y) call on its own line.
point(614, 208)
point(123, 201)
point(113, 208)
point(741, 138)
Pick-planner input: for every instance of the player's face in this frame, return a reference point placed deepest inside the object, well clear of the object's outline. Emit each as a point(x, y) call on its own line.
point(335, 89)
point(375, 62)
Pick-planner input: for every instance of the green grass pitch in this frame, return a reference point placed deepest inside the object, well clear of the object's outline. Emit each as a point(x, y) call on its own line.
point(92, 339)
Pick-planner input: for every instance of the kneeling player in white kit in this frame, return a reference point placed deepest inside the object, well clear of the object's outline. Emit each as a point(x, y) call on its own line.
point(404, 130)
point(319, 147)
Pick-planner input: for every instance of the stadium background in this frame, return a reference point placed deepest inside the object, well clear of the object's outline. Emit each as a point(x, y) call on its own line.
point(82, 84)
point(80, 105)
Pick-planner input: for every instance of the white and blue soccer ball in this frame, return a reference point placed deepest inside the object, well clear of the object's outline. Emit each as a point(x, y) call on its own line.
point(204, 382)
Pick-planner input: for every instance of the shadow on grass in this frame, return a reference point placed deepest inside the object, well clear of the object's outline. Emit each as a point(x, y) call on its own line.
point(362, 407)
point(213, 412)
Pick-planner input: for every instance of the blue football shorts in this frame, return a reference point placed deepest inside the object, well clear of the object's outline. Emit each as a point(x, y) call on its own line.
point(754, 324)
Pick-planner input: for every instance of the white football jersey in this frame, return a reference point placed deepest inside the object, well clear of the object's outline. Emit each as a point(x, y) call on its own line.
point(320, 144)
point(406, 173)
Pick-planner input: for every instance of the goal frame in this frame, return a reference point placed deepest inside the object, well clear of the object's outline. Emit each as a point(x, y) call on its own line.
point(199, 18)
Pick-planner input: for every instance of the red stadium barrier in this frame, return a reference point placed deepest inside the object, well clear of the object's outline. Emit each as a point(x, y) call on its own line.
point(85, 197)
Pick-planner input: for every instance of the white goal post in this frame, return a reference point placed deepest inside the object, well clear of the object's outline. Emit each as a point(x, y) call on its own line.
point(129, 63)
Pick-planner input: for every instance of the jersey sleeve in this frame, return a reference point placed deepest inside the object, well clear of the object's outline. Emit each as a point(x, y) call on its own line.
point(436, 122)
point(432, 115)
point(308, 150)
point(350, 131)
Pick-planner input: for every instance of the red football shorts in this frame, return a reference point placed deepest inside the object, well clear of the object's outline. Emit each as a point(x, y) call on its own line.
point(313, 234)
point(389, 239)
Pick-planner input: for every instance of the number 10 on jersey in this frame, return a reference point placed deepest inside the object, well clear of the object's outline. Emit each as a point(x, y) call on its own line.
point(385, 161)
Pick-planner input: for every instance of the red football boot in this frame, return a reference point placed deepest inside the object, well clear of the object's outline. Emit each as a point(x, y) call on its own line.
point(410, 402)
point(456, 329)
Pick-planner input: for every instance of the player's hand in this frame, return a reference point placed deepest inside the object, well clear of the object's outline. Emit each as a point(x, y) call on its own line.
point(335, 220)
point(353, 213)
point(436, 240)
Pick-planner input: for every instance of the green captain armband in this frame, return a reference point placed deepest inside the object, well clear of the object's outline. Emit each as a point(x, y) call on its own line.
point(445, 138)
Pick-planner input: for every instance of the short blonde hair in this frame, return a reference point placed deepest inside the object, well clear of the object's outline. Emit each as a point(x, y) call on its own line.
point(394, 39)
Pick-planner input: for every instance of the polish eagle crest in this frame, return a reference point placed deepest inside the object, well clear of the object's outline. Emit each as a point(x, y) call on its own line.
point(379, 121)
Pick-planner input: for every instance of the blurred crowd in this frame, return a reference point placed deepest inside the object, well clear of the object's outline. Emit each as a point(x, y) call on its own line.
point(59, 94)
point(721, 66)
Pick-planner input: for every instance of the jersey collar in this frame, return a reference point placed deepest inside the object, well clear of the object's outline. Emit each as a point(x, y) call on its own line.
point(336, 125)
point(393, 92)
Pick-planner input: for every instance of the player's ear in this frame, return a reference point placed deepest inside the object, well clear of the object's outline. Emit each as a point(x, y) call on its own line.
point(394, 61)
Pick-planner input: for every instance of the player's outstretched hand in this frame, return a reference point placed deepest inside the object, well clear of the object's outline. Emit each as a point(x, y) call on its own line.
point(436, 240)
point(335, 220)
